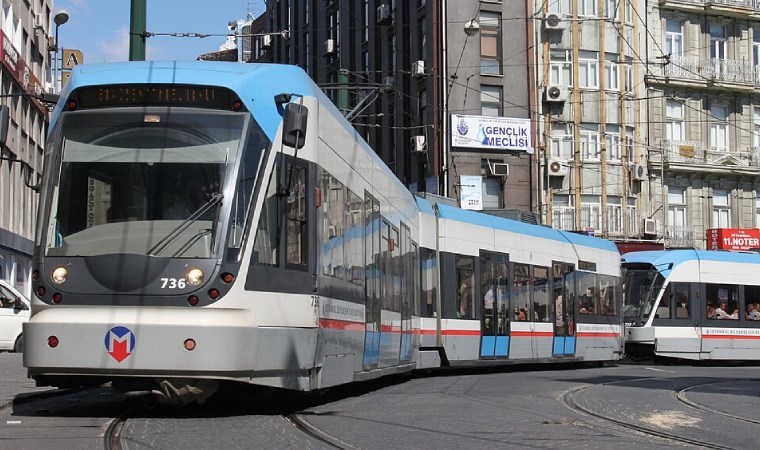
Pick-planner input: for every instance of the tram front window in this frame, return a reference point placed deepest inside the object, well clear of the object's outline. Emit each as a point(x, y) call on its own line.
point(145, 181)
point(641, 288)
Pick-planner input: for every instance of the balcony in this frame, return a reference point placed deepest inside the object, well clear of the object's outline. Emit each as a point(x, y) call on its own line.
point(734, 8)
point(707, 72)
point(693, 155)
point(679, 236)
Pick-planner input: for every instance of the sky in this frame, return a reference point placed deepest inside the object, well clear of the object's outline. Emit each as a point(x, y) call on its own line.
point(100, 28)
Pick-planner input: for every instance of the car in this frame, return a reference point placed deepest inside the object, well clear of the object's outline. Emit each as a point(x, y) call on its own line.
point(14, 311)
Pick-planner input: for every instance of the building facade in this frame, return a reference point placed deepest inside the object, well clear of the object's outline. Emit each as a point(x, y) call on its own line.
point(400, 70)
point(589, 80)
point(704, 125)
point(24, 30)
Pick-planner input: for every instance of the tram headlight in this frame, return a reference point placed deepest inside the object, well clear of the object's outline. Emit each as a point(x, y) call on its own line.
point(194, 276)
point(59, 275)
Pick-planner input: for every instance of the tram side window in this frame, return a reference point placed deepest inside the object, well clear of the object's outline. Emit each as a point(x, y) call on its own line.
point(752, 300)
point(465, 266)
point(678, 293)
point(296, 217)
point(541, 294)
point(521, 287)
point(429, 266)
point(722, 301)
point(588, 293)
point(610, 294)
point(265, 244)
point(354, 244)
point(333, 213)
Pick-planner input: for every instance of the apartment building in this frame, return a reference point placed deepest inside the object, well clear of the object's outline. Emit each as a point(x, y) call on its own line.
point(24, 30)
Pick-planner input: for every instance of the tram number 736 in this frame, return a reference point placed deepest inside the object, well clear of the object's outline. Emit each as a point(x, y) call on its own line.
point(172, 283)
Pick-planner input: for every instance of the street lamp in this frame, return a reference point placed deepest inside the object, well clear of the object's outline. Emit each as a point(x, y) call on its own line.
point(471, 27)
point(60, 18)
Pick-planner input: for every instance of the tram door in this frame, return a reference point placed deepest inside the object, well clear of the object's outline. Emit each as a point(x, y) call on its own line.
point(563, 288)
point(494, 295)
point(372, 256)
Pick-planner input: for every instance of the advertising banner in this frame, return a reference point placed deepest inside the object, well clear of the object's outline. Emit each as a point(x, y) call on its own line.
point(733, 238)
point(19, 70)
point(496, 134)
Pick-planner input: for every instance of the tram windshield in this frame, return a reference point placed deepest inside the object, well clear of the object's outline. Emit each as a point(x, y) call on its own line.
point(641, 289)
point(145, 181)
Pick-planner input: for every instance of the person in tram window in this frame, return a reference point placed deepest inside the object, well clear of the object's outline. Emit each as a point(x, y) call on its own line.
point(720, 312)
point(464, 299)
point(711, 311)
point(752, 312)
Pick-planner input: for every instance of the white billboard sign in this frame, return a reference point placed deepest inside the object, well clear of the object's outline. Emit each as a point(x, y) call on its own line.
point(471, 192)
point(491, 133)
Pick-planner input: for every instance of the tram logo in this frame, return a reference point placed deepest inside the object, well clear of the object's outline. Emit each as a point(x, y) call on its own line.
point(120, 342)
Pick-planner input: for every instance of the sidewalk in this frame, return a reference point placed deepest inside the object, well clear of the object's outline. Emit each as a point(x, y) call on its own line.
point(13, 380)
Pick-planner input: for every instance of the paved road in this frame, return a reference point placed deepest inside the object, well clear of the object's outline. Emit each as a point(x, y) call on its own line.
point(513, 409)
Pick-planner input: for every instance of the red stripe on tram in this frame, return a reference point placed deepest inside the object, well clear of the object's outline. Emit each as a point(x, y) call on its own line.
point(532, 334)
point(341, 325)
point(588, 334)
point(729, 336)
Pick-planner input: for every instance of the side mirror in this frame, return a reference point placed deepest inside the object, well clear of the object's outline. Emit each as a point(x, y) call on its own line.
point(294, 125)
point(4, 123)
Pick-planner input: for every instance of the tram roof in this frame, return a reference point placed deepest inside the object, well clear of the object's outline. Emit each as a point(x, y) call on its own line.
point(676, 257)
point(255, 84)
point(514, 226)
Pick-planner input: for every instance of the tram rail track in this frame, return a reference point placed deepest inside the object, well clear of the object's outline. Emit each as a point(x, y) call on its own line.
point(568, 399)
point(681, 396)
point(314, 432)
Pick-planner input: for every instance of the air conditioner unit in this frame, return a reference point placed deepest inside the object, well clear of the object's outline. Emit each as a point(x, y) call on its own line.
point(418, 68)
point(329, 47)
point(557, 168)
point(554, 21)
point(649, 226)
point(39, 21)
point(556, 94)
point(266, 42)
point(639, 172)
point(500, 169)
point(384, 14)
point(419, 144)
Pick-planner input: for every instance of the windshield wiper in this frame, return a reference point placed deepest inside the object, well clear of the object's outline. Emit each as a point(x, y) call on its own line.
point(163, 243)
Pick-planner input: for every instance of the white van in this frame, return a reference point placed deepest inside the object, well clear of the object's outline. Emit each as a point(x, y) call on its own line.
point(14, 311)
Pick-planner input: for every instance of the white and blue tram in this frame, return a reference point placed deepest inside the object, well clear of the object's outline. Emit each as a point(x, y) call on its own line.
point(203, 222)
point(693, 304)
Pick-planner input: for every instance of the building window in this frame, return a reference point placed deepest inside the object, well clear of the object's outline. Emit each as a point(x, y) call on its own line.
point(590, 148)
point(629, 13)
point(365, 20)
point(633, 217)
point(676, 207)
point(718, 44)
point(490, 43)
point(756, 134)
point(721, 211)
point(611, 72)
point(587, 8)
point(674, 124)
point(614, 215)
point(561, 142)
point(719, 128)
point(757, 209)
point(588, 69)
point(756, 47)
point(629, 143)
point(591, 212)
point(490, 100)
point(561, 68)
point(673, 37)
point(628, 67)
point(611, 9)
point(612, 138)
point(561, 7)
point(563, 213)
point(422, 102)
